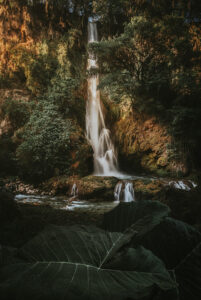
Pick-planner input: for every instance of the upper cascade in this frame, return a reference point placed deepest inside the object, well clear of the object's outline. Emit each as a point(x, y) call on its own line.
point(105, 157)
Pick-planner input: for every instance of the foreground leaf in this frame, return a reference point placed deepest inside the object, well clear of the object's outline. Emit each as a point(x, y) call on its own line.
point(64, 263)
point(141, 215)
point(188, 274)
point(171, 241)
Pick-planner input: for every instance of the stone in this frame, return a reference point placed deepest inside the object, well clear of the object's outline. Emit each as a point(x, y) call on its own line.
point(89, 187)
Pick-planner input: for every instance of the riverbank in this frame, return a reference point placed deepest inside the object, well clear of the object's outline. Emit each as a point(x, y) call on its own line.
point(24, 220)
point(38, 206)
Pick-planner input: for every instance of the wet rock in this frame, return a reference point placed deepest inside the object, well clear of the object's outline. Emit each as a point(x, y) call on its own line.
point(144, 144)
point(185, 205)
point(182, 196)
point(19, 187)
point(89, 187)
point(147, 189)
point(97, 187)
point(154, 188)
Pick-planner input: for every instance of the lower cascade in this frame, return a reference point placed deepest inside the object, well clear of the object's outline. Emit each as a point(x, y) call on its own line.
point(124, 192)
point(186, 186)
point(74, 191)
point(105, 158)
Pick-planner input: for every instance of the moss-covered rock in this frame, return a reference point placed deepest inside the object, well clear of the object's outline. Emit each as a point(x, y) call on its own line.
point(90, 187)
point(147, 188)
point(144, 144)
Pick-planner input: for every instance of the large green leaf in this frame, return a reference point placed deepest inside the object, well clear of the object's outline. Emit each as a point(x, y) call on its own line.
point(138, 259)
point(64, 263)
point(7, 255)
point(143, 215)
point(171, 241)
point(188, 274)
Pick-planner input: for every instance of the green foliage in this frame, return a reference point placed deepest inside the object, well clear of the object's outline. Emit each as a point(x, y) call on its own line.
point(153, 63)
point(54, 74)
point(52, 69)
point(61, 93)
point(177, 244)
point(45, 52)
point(111, 15)
point(46, 145)
point(82, 264)
point(86, 262)
point(35, 70)
point(156, 58)
point(143, 219)
point(18, 112)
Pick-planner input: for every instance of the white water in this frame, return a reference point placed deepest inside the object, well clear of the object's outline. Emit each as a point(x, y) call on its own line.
point(117, 191)
point(124, 192)
point(186, 186)
point(128, 192)
point(63, 203)
point(105, 158)
point(74, 191)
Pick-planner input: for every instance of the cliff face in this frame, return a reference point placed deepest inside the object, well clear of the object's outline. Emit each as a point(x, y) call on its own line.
point(34, 40)
point(144, 145)
point(18, 30)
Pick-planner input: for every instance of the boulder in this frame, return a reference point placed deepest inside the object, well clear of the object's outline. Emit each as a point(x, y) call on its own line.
point(89, 187)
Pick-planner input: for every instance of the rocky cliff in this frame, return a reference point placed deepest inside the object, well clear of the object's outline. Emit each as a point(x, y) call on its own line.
point(144, 144)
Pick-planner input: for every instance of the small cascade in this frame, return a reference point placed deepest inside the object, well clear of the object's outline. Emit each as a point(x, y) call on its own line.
point(105, 158)
point(181, 185)
point(129, 192)
point(194, 185)
point(124, 192)
point(74, 191)
point(117, 191)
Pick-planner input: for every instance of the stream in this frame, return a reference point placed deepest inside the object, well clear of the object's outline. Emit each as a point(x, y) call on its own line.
point(68, 204)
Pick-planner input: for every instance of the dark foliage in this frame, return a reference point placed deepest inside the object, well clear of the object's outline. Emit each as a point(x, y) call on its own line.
point(85, 262)
point(156, 63)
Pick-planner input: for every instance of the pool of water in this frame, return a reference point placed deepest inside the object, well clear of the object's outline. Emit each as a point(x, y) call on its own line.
point(66, 203)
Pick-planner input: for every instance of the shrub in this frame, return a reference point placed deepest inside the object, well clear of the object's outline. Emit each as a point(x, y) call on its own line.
point(18, 112)
point(46, 143)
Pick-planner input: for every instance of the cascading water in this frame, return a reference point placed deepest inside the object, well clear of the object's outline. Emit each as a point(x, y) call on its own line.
point(74, 191)
point(105, 159)
point(124, 192)
point(117, 191)
point(129, 192)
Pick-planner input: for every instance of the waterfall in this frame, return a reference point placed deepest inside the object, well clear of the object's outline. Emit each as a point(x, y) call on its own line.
point(105, 159)
point(128, 192)
point(74, 191)
point(124, 192)
point(117, 191)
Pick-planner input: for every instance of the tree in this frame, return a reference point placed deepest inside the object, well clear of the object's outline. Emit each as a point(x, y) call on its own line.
point(46, 143)
point(155, 63)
